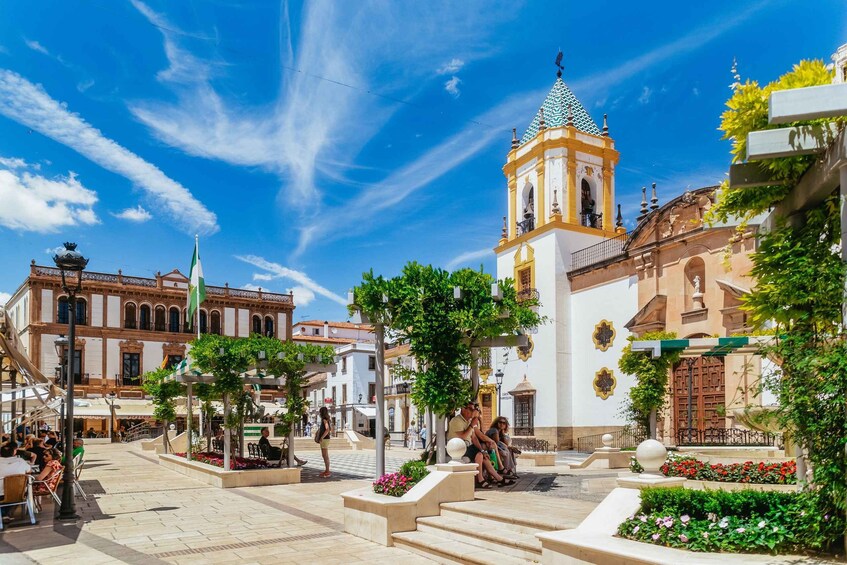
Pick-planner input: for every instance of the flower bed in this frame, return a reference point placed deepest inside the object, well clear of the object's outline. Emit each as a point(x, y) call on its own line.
point(742, 521)
point(398, 484)
point(235, 463)
point(784, 473)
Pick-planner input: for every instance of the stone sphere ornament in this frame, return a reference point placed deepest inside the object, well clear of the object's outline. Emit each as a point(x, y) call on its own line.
point(607, 440)
point(456, 449)
point(651, 455)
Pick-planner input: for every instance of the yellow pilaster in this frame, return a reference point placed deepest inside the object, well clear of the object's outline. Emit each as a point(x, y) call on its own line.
point(608, 221)
point(542, 199)
point(513, 202)
point(572, 188)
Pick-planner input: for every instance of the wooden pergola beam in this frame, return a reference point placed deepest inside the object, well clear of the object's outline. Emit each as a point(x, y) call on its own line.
point(810, 103)
point(750, 175)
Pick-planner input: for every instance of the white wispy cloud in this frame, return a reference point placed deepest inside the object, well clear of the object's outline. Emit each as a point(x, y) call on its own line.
point(250, 286)
point(30, 105)
point(36, 46)
point(33, 203)
point(465, 258)
point(15, 163)
point(277, 271)
point(454, 66)
point(137, 214)
point(452, 86)
point(302, 296)
point(4, 298)
point(314, 128)
point(262, 277)
point(646, 92)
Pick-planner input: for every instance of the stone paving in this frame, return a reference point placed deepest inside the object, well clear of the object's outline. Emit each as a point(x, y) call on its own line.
point(137, 512)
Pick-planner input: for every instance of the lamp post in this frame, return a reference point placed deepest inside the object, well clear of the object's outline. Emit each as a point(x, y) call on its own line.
point(71, 263)
point(61, 344)
point(498, 378)
point(110, 398)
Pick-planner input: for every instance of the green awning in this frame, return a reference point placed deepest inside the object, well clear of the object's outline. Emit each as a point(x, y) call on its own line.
point(705, 347)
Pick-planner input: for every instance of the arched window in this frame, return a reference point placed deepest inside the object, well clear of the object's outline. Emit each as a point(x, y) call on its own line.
point(204, 326)
point(588, 206)
point(269, 326)
point(216, 322)
point(526, 223)
point(694, 283)
point(174, 316)
point(257, 325)
point(129, 316)
point(81, 312)
point(62, 317)
point(160, 319)
point(144, 318)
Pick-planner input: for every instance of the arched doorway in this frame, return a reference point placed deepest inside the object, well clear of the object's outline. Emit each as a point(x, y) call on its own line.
point(708, 396)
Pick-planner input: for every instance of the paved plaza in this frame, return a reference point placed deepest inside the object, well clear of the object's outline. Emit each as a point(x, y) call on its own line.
point(138, 512)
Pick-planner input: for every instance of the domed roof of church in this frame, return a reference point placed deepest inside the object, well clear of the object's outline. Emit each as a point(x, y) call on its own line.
point(556, 112)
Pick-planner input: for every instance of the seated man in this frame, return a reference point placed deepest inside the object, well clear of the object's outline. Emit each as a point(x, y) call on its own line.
point(274, 453)
point(11, 464)
point(79, 449)
point(91, 433)
point(460, 427)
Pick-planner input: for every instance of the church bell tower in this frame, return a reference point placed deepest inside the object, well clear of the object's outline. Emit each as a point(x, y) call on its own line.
point(560, 198)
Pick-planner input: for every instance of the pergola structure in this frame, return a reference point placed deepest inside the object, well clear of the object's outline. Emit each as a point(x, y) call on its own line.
point(27, 395)
point(185, 373)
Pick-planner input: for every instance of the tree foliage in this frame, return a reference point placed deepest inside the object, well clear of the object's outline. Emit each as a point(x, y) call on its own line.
point(649, 394)
point(419, 306)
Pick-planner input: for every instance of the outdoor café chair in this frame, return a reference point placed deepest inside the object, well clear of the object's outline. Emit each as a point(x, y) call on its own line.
point(79, 463)
point(17, 491)
point(50, 483)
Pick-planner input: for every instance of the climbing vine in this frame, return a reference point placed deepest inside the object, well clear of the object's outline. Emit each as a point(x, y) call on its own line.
point(647, 398)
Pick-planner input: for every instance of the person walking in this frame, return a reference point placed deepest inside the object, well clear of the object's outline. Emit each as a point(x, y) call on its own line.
point(323, 439)
point(411, 437)
point(423, 435)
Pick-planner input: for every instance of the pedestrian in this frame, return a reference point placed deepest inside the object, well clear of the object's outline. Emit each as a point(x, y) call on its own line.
point(411, 437)
point(308, 429)
point(423, 435)
point(322, 438)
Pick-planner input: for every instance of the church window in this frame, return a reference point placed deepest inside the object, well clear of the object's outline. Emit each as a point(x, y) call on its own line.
point(159, 321)
point(604, 383)
point(216, 322)
point(524, 415)
point(257, 325)
point(204, 322)
point(174, 317)
point(588, 206)
point(524, 279)
point(269, 326)
point(604, 335)
point(527, 219)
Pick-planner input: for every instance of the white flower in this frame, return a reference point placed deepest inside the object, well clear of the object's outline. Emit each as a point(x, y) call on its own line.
point(762, 524)
point(635, 529)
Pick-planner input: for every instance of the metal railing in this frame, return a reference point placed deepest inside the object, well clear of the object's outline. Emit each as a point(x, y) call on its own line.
point(528, 294)
point(127, 380)
point(726, 437)
point(531, 444)
point(130, 324)
point(399, 388)
point(602, 251)
point(630, 436)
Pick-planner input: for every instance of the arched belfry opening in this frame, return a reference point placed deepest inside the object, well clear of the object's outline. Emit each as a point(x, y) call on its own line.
point(588, 206)
point(527, 222)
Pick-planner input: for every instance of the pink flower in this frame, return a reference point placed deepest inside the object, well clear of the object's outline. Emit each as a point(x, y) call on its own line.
point(683, 538)
point(740, 530)
point(684, 518)
point(655, 537)
point(635, 529)
point(643, 518)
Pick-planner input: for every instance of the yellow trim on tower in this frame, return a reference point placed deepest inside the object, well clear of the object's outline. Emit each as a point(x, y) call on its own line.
point(522, 263)
point(608, 222)
point(550, 225)
point(541, 217)
point(571, 208)
point(513, 196)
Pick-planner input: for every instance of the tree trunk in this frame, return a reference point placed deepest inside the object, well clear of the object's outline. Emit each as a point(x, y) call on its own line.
point(227, 433)
point(440, 439)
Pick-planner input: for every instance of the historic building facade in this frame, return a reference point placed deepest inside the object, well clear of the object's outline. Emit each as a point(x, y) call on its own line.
point(126, 325)
point(598, 284)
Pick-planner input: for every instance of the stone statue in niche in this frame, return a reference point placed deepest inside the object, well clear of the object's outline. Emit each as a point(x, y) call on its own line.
point(696, 284)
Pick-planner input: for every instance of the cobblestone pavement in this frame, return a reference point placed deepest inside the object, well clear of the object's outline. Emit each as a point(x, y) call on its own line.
point(138, 512)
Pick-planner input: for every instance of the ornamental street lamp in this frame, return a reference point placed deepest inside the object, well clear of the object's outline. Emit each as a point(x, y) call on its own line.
point(110, 398)
point(61, 344)
point(498, 378)
point(71, 263)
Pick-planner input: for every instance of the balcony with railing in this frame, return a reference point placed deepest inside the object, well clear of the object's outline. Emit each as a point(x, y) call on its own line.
point(603, 251)
point(130, 325)
point(129, 379)
point(526, 294)
point(398, 389)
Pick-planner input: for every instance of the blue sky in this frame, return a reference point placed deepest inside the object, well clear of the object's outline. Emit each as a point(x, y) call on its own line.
point(309, 142)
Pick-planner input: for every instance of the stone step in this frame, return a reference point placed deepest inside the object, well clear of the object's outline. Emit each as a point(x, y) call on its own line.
point(503, 540)
point(539, 516)
point(442, 549)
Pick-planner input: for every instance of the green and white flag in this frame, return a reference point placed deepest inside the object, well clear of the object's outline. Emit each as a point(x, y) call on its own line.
point(196, 286)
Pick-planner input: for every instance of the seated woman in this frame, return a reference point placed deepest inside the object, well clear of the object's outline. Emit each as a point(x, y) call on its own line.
point(488, 447)
point(499, 432)
point(48, 471)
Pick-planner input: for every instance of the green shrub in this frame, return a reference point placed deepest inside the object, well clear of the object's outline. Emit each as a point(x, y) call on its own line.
point(414, 470)
point(741, 521)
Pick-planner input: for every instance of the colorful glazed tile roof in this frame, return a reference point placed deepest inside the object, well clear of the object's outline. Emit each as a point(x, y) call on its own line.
point(556, 112)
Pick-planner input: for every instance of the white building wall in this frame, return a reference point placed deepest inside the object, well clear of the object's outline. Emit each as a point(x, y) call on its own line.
point(113, 311)
point(588, 308)
point(243, 322)
point(96, 314)
point(229, 322)
point(47, 306)
point(282, 326)
point(93, 356)
point(113, 357)
point(49, 357)
point(152, 356)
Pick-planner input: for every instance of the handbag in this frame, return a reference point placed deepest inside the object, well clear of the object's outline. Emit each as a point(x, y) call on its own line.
point(319, 434)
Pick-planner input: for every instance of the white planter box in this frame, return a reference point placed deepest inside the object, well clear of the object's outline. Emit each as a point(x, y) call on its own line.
point(218, 477)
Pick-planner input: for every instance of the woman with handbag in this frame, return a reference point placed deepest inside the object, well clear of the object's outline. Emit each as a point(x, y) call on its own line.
point(499, 432)
point(322, 437)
